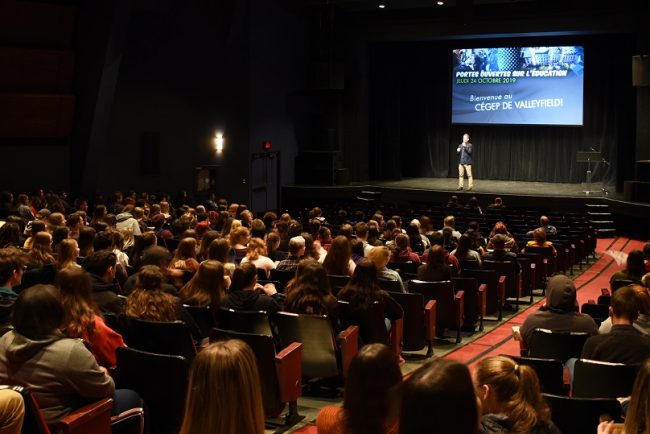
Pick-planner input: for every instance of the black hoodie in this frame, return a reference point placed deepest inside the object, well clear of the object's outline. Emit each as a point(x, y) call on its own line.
point(105, 294)
point(253, 300)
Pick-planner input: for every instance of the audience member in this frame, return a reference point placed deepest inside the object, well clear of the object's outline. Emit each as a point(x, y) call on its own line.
point(82, 319)
point(436, 269)
point(634, 268)
point(86, 241)
point(511, 399)
point(219, 250)
point(102, 267)
point(545, 225)
point(402, 252)
point(256, 255)
point(310, 292)
point(499, 252)
point(500, 228)
point(439, 397)
point(224, 395)
point(416, 241)
point(207, 287)
point(624, 343)
point(497, 204)
point(338, 260)
point(10, 235)
point(67, 253)
point(185, 257)
point(464, 251)
point(642, 322)
point(450, 222)
point(368, 407)
point(206, 239)
point(273, 246)
point(247, 294)
point(472, 205)
point(60, 372)
point(12, 412)
point(539, 240)
point(12, 267)
point(296, 251)
point(41, 252)
point(380, 256)
point(560, 312)
point(238, 240)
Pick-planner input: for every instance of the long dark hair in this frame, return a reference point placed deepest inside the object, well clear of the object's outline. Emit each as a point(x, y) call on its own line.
point(464, 246)
point(374, 373)
point(310, 292)
point(363, 285)
point(337, 261)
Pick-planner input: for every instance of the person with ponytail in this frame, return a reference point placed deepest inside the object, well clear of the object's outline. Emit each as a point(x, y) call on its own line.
point(511, 399)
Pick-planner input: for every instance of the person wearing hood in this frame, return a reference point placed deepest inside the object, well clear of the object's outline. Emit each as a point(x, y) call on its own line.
point(102, 267)
point(560, 312)
point(61, 373)
point(128, 226)
point(12, 268)
point(247, 294)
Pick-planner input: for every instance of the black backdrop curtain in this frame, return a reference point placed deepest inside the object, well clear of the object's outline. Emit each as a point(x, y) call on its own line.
point(411, 135)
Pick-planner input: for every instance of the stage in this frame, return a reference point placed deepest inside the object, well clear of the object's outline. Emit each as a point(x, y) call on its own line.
point(631, 217)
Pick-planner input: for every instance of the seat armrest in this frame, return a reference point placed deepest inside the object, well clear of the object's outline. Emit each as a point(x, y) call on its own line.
point(459, 299)
point(349, 345)
point(501, 290)
point(92, 418)
point(482, 298)
point(396, 334)
point(430, 313)
point(288, 366)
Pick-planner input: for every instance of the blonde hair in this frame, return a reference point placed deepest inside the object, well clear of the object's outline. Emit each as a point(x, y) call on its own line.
point(256, 248)
point(379, 256)
point(517, 388)
point(238, 236)
point(224, 395)
point(67, 253)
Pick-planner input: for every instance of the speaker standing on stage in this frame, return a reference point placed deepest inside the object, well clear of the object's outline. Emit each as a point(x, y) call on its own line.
point(465, 162)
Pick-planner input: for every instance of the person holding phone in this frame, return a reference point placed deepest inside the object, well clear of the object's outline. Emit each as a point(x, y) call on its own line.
point(464, 152)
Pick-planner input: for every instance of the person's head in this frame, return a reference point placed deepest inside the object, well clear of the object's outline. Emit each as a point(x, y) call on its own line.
point(625, 305)
point(244, 277)
point(498, 202)
point(439, 397)
point(544, 221)
point(148, 301)
point(224, 379)
point(503, 386)
point(67, 252)
point(272, 242)
point(472, 202)
point(239, 236)
point(500, 228)
point(310, 292)
point(297, 246)
point(78, 302)
point(312, 274)
point(256, 248)
point(207, 238)
point(361, 231)
point(499, 242)
point(186, 248)
point(380, 256)
point(42, 241)
point(38, 312)
point(635, 263)
point(637, 419)
point(539, 235)
point(450, 221)
point(156, 255)
point(258, 228)
point(465, 138)
point(102, 264)
point(218, 250)
point(464, 245)
point(10, 235)
point(338, 256)
point(561, 295)
point(12, 266)
point(150, 278)
point(207, 286)
point(436, 256)
point(374, 373)
point(453, 200)
point(401, 242)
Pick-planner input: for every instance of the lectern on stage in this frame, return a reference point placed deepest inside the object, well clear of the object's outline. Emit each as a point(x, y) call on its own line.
point(589, 157)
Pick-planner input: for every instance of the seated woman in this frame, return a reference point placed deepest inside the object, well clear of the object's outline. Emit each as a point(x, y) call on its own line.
point(637, 418)
point(501, 228)
point(338, 260)
point(380, 256)
point(363, 289)
point(224, 378)
point(150, 302)
point(511, 399)
point(41, 251)
point(418, 242)
point(464, 251)
point(207, 287)
point(256, 255)
point(238, 239)
point(539, 240)
point(82, 319)
point(60, 372)
point(436, 269)
point(634, 268)
point(206, 239)
point(310, 292)
point(36, 227)
point(373, 377)
point(219, 250)
point(439, 397)
point(272, 247)
point(185, 256)
point(67, 253)
point(10, 235)
point(402, 252)
point(472, 205)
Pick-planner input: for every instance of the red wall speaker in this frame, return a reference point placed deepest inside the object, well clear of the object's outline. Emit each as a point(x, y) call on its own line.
point(641, 70)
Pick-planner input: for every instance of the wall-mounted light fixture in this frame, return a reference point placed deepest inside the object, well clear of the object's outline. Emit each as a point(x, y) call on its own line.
point(218, 142)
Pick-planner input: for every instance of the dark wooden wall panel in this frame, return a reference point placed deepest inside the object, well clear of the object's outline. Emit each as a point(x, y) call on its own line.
point(35, 70)
point(36, 115)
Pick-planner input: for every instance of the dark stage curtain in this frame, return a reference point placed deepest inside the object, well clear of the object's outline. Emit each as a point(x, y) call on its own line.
point(411, 134)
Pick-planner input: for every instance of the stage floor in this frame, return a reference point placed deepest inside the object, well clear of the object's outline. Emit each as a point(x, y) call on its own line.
point(501, 188)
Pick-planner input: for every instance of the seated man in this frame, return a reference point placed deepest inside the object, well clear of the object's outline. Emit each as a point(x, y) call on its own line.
point(102, 267)
point(12, 263)
point(560, 312)
point(624, 343)
point(296, 252)
point(546, 226)
point(500, 253)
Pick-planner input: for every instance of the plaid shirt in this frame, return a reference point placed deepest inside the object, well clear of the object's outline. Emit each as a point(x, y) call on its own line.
point(289, 264)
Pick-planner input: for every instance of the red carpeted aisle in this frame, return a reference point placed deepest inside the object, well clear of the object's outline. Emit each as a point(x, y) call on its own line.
point(589, 284)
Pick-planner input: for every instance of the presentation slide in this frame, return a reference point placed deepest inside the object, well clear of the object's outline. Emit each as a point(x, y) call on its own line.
point(518, 85)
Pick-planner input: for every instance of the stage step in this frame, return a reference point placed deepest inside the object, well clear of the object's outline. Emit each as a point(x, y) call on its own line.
point(369, 196)
point(601, 219)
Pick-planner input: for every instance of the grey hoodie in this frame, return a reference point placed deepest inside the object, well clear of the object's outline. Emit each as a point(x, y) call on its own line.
point(60, 372)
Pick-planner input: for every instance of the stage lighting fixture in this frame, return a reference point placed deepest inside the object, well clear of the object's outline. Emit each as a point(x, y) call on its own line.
point(218, 142)
point(440, 3)
point(266, 145)
point(382, 6)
